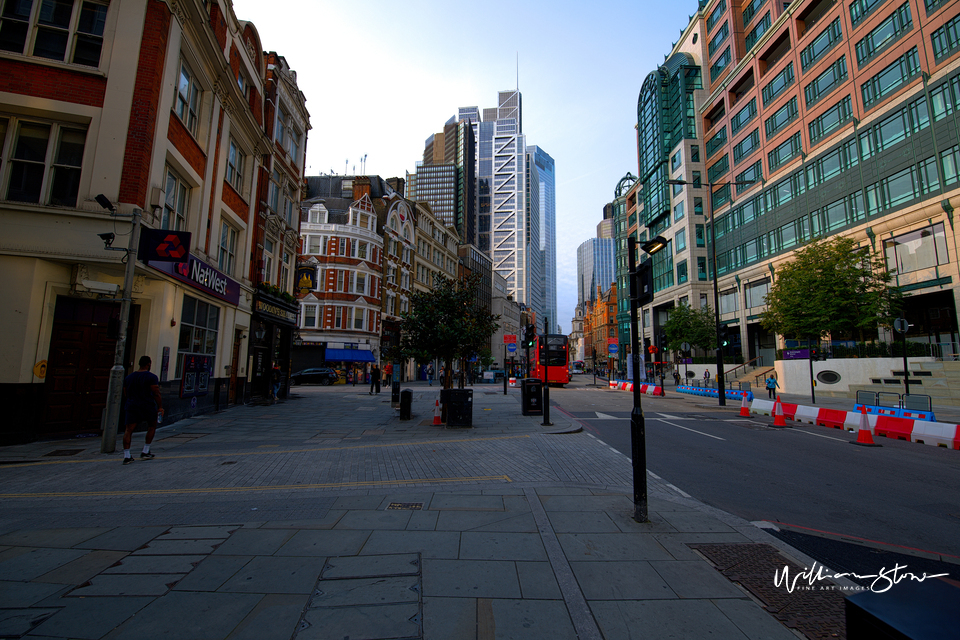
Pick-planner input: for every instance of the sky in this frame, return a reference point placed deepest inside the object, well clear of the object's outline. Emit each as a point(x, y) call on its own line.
point(380, 77)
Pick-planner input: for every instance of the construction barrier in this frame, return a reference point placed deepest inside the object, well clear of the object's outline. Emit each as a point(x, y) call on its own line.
point(713, 393)
point(895, 412)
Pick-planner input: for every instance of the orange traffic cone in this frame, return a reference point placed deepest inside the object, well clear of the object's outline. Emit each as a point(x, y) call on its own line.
point(778, 419)
point(436, 414)
point(864, 435)
point(744, 408)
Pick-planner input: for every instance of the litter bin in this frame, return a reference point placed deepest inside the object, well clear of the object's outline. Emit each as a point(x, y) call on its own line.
point(531, 397)
point(459, 405)
point(406, 400)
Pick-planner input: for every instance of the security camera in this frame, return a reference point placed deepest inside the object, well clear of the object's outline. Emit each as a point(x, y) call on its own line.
point(104, 202)
point(107, 239)
point(103, 288)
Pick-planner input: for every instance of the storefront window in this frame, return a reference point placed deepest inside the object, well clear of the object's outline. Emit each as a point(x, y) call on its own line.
point(199, 323)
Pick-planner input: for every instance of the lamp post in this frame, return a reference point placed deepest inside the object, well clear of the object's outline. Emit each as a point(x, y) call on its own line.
point(108, 443)
point(721, 389)
point(638, 442)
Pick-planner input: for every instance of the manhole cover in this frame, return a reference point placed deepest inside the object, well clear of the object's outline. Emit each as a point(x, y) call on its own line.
point(412, 506)
point(64, 452)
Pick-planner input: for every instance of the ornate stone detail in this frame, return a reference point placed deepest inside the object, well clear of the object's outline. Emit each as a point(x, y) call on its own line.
point(139, 283)
point(223, 96)
point(179, 13)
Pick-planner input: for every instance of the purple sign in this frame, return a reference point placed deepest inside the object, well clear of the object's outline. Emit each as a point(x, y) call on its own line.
point(202, 276)
point(796, 354)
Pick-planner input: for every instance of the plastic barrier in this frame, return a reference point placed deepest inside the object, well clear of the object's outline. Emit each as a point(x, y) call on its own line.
point(713, 393)
point(896, 412)
point(807, 414)
point(898, 428)
point(833, 418)
point(937, 434)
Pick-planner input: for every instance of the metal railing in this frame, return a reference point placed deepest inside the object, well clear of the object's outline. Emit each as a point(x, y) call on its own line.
point(852, 349)
point(748, 363)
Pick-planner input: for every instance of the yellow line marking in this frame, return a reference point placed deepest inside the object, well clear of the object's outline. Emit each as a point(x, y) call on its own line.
point(238, 454)
point(280, 487)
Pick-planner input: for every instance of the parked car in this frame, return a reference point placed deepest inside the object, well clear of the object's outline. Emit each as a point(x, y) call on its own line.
point(321, 375)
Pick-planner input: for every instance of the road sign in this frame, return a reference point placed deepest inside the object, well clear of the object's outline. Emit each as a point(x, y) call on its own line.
point(511, 347)
point(900, 325)
point(685, 346)
point(509, 337)
point(612, 348)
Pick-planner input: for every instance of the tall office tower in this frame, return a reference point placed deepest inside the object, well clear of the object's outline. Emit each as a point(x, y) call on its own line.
point(508, 225)
point(544, 166)
point(446, 179)
point(595, 268)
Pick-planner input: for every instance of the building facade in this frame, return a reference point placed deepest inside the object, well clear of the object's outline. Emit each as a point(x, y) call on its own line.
point(595, 267)
point(842, 117)
point(545, 167)
point(160, 107)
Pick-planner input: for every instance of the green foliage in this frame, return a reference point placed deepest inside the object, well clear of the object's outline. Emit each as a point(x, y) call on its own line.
point(445, 324)
point(831, 287)
point(696, 326)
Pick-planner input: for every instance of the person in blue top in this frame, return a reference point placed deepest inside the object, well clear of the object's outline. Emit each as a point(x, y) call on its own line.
point(144, 404)
point(772, 386)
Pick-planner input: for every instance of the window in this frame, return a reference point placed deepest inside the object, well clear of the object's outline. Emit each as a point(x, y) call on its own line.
point(54, 29)
point(831, 119)
point(268, 246)
point(199, 324)
point(235, 159)
point(718, 168)
point(728, 301)
point(757, 31)
point(228, 248)
point(886, 33)
point(174, 215)
point(921, 249)
point(680, 239)
point(717, 141)
point(682, 272)
point(756, 294)
point(821, 45)
point(946, 39)
point(750, 9)
point(309, 316)
point(694, 153)
point(746, 146)
point(933, 5)
point(188, 98)
point(753, 173)
point(720, 64)
point(699, 235)
point(716, 14)
point(696, 180)
point(361, 284)
point(742, 117)
point(784, 152)
point(860, 9)
point(276, 186)
point(698, 206)
point(282, 281)
point(778, 85)
point(678, 212)
point(826, 81)
point(287, 135)
point(781, 117)
point(675, 160)
point(702, 270)
point(891, 78)
point(718, 38)
point(44, 161)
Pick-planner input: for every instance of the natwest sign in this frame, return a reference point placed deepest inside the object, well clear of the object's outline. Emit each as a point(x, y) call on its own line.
point(202, 276)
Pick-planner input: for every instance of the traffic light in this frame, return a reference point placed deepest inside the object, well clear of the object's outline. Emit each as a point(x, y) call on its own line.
point(724, 336)
point(529, 336)
point(641, 283)
point(646, 344)
point(814, 354)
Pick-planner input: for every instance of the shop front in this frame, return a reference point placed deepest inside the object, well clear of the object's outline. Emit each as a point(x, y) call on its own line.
point(273, 328)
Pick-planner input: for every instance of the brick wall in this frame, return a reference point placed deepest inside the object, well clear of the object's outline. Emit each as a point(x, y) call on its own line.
point(233, 200)
point(135, 175)
point(29, 79)
point(186, 145)
point(219, 25)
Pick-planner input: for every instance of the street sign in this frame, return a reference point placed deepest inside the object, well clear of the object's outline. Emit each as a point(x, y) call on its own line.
point(511, 347)
point(612, 348)
point(613, 341)
point(685, 346)
point(900, 325)
point(509, 337)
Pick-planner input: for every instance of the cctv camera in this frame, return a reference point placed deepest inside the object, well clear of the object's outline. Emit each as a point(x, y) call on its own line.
point(107, 239)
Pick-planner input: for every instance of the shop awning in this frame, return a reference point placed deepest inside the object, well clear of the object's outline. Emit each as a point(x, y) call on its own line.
point(348, 355)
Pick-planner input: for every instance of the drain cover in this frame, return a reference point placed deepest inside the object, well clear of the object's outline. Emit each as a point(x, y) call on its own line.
point(412, 506)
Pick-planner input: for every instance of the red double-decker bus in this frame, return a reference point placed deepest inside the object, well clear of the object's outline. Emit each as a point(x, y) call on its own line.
point(550, 359)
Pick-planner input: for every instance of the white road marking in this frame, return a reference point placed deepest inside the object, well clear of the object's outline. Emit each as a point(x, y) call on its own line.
point(606, 416)
point(818, 435)
point(689, 429)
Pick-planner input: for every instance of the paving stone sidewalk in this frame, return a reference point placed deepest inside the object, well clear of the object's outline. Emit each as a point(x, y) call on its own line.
point(325, 516)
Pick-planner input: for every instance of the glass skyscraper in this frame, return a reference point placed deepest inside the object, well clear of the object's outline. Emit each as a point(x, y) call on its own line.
point(544, 166)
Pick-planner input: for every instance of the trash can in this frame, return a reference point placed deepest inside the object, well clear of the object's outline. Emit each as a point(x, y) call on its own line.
point(531, 397)
point(459, 405)
point(395, 390)
point(406, 400)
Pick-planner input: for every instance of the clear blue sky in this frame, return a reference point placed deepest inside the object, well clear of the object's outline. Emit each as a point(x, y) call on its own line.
point(380, 77)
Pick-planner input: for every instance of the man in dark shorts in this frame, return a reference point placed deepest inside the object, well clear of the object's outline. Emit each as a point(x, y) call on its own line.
point(142, 389)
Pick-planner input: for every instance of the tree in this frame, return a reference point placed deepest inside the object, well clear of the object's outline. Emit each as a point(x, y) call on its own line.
point(696, 326)
point(831, 287)
point(446, 324)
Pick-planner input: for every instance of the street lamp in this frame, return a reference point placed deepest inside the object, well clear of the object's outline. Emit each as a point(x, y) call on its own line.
point(108, 443)
point(721, 390)
point(638, 442)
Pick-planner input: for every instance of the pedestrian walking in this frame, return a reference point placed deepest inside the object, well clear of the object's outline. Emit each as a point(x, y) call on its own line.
point(375, 379)
point(144, 404)
point(276, 377)
point(388, 373)
point(706, 377)
point(430, 374)
point(676, 378)
point(772, 386)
